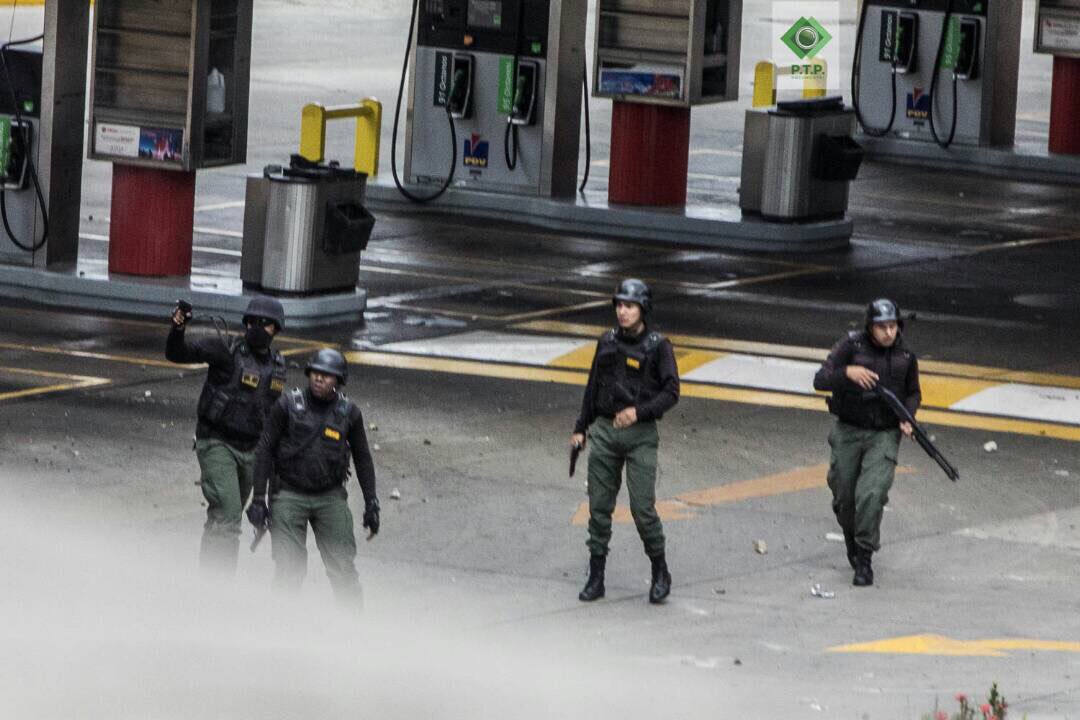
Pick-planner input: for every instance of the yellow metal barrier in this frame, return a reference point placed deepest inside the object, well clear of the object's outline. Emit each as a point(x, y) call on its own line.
point(814, 86)
point(765, 74)
point(764, 84)
point(368, 114)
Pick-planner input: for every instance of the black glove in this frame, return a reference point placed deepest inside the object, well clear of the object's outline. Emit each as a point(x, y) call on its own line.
point(182, 313)
point(258, 513)
point(371, 515)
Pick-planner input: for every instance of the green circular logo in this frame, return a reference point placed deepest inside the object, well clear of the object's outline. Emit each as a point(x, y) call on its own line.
point(806, 38)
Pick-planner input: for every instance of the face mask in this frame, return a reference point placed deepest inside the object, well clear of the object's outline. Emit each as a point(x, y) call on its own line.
point(257, 337)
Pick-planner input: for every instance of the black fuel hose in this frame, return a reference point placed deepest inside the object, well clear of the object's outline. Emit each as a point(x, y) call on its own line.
point(856, 66)
point(397, 117)
point(17, 133)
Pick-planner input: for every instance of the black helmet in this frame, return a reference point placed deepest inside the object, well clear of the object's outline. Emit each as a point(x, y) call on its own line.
point(635, 291)
point(329, 361)
point(883, 310)
point(262, 306)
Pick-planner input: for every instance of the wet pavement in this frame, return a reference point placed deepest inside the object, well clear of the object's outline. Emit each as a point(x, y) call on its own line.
point(975, 579)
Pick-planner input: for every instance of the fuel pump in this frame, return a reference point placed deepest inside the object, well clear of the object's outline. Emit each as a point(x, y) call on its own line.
point(906, 49)
point(899, 42)
point(453, 92)
point(21, 197)
point(508, 70)
point(958, 54)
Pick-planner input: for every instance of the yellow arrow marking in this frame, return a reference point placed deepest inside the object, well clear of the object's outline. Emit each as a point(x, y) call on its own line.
point(946, 646)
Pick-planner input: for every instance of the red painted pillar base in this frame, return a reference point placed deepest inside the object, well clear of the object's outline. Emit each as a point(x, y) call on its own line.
point(153, 213)
point(650, 149)
point(1065, 107)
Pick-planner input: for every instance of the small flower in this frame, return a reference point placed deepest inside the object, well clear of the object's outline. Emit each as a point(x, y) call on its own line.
point(985, 708)
point(941, 715)
point(961, 697)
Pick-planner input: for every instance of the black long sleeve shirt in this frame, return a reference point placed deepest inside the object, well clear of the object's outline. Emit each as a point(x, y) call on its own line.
point(212, 350)
point(277, 424)
point(897, 369)
point(659, 388)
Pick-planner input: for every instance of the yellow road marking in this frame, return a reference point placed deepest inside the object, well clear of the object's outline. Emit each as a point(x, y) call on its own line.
point(576, 359)
point(708, 392)
point(755, 279)
point(682, 506)
point(163, 324)
point(547, 312)
point(694, 341)
point(941, 391)
point(797, 352)
point(465, 367)
point(75, 382)
point(555, 311)
point(307, 346)
point(946, 646)
point(804, 478)
point(689, 360)
point(686, 359)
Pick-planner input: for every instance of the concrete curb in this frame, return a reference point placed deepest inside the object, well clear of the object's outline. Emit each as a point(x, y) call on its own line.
point(156, 297)
point(998, 162)
point(717, 227)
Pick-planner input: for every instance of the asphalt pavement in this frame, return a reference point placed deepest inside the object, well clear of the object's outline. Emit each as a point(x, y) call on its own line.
point(468, 370)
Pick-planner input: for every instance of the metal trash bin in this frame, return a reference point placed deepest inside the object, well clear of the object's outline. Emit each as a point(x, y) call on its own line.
point(305, 226)
point(798, 160)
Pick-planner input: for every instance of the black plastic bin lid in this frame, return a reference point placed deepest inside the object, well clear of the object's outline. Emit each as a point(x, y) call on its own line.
point(811, 106)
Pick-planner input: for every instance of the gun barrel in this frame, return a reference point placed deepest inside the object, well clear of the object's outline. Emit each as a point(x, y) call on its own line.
point(921, 437)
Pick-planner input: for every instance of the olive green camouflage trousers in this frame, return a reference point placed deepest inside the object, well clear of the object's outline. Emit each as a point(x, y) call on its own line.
point(611, 449)
point(861, 474)
point(332, 524)
point(226, 480)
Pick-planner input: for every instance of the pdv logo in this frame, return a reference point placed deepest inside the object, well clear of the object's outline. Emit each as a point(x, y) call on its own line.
point(476, 152)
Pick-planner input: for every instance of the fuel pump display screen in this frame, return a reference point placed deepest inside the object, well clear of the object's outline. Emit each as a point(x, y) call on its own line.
point(486, 14)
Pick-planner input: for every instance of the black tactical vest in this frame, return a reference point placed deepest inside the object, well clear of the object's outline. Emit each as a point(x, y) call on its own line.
point(862, 408)
point(313, 455)
point(238, 406)
point(621, 369)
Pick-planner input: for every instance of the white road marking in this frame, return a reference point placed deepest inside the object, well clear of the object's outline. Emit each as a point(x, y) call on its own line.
point(521, 349)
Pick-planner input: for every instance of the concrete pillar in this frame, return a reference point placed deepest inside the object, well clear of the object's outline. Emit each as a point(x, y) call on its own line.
point(63, 114)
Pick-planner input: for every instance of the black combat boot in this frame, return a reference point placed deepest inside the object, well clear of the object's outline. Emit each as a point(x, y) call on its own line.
point(852, 548)
point(594, 586)
point(864, 574)
point(661, 580)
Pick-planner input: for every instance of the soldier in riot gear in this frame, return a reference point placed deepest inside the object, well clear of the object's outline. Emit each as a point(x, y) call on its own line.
point(244, 379)
point(633, 381)
point(866, 436)
point(304, 456)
